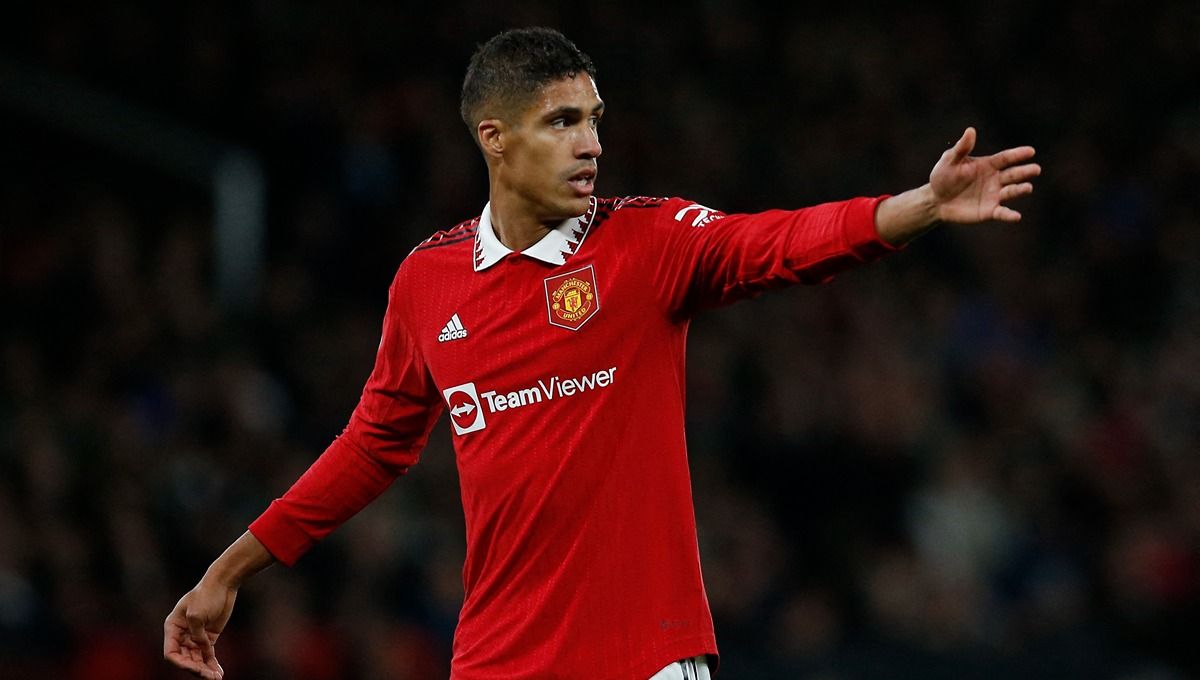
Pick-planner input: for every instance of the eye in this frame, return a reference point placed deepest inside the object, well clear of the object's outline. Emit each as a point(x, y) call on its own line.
point(595, 121)
point(559, 123)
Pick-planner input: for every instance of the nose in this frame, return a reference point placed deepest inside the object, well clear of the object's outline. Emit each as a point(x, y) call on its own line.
point(589, 145)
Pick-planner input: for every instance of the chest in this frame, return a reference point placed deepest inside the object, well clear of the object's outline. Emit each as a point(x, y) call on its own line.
point(522, 319)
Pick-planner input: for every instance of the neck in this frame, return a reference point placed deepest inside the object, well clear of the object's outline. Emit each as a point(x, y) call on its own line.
point(515, 221)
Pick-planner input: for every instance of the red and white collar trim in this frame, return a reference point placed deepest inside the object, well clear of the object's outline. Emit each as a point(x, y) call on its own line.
point(555, 247)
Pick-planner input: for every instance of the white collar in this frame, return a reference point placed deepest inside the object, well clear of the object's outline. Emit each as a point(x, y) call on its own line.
point(555, 247)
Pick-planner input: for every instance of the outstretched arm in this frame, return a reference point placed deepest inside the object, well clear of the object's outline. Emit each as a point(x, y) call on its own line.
point(962, 189)
point(191, 630)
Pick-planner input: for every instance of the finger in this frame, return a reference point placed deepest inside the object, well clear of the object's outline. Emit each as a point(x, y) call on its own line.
point(1005, 214)
point(1020, 173)
point(964, 145)
point(1012, 156)
point(179, 650)
point(198, 635)
point(185, 660)
point(171, 637)
point(1012, 191)
point(207, 668)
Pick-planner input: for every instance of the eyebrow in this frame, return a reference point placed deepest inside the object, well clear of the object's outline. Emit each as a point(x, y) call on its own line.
point(573, 111)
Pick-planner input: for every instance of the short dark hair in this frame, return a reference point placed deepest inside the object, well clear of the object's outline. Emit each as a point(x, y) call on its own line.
point(508, 70)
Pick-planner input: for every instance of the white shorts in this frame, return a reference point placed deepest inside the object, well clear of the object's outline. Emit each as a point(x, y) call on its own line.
point(689, 669)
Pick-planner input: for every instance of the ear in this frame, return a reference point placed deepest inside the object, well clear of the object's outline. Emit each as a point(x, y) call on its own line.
point(490, 135)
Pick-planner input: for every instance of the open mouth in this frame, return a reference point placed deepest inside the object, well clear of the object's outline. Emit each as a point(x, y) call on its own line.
point(584, 180)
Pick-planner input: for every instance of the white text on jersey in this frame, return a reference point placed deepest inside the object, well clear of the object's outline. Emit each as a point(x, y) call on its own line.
point(704, 215)
point(549, 389)
point(453, 330)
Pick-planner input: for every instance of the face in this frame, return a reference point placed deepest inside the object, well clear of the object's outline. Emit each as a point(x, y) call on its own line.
point(550, 151)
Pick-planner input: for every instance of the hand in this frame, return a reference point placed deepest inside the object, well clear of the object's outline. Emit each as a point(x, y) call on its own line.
point(191, 630)
point(969, 189)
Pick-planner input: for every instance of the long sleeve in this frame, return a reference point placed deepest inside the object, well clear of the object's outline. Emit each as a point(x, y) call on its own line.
point(386, 433)
point(710, 258)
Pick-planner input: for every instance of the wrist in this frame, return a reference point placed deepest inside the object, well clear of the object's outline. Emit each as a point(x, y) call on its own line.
point(930, 205)
point(222, 576)
point(244, 558)
point(905, 216)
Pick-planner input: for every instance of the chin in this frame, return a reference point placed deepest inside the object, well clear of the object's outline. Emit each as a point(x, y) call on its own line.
point(577, 206)
point(564, 208)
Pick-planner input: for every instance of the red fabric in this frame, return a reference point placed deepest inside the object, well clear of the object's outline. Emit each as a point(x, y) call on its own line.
point(582, 554)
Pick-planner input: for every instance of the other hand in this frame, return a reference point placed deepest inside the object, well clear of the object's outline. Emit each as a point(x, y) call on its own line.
point(191, 630)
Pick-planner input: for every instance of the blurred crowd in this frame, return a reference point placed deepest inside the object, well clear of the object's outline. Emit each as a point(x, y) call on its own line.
point(978, 458)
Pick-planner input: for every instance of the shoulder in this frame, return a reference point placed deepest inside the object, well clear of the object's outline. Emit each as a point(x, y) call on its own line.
point(463, 231)
point(433, 255)
point(656, 211)
point(641, 210)
point(629, 205)
point(460, 237)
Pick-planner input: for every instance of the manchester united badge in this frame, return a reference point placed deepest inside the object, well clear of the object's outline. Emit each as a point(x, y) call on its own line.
point(572, 298)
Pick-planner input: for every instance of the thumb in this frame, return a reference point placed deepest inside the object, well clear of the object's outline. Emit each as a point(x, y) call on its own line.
point(964, 145)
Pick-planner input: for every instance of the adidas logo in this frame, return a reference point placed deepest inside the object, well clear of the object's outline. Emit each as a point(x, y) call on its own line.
point(453, 331)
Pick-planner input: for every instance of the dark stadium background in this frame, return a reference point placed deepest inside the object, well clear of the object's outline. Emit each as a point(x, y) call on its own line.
point(977, 459)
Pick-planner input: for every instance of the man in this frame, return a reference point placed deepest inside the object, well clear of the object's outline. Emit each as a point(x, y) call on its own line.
point(552, 327)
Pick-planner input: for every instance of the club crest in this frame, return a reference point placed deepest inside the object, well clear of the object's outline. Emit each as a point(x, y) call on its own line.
point(572, 298)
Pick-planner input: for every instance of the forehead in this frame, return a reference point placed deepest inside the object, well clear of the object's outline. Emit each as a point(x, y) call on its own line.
point(579, 92)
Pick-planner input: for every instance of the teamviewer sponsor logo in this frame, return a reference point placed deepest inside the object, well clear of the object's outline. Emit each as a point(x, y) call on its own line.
point(466, 407)
point(465, 413)
point(548, 389)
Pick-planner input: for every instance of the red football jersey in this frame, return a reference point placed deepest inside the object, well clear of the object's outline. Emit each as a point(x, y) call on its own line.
point(562, 367)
